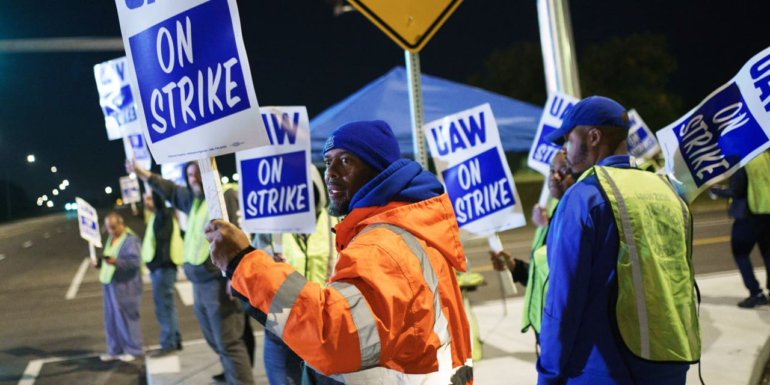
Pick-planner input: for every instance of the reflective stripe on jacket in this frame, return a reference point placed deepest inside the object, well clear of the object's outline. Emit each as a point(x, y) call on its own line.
point(378, 311)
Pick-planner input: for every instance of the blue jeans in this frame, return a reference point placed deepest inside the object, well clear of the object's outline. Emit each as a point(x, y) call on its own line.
point(163, 281)
point(283, 366)
point(746, 233)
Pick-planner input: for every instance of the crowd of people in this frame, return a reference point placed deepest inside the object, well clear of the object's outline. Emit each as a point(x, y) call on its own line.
point(372, 296)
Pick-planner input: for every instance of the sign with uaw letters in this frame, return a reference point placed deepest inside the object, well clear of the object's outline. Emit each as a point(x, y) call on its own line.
point(193, 89)
point(129, 189)
point(116, 98)
point(88, 222)
point(135, 146)
point(723, 133)
point(471, 163)
point(542, 151)
point(641, 141)
point(275, 185)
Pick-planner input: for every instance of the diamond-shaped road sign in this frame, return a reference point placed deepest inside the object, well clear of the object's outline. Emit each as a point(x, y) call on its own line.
point(410, 23)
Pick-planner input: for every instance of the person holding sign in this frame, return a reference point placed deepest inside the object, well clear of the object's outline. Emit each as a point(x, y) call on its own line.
point(621, 303)
point(122, 287)
point(162, 251)
point(392, 311)
point(534, 275)
point(749, 190)
point(221, 318)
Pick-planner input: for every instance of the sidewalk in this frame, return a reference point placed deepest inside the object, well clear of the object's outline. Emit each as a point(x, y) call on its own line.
point(736, 343)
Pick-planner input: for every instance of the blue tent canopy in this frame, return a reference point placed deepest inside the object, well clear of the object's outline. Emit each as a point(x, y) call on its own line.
point(387, 99)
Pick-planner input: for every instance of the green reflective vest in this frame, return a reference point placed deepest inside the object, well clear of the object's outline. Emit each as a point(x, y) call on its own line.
point(196, 247)
point(656, 302)
point(148, 243)
point(310, 258)
point(107, 271)
point(758, 173)
point(537, 282)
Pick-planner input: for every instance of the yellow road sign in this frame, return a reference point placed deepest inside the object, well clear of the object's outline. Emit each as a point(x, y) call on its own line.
point(410, 23)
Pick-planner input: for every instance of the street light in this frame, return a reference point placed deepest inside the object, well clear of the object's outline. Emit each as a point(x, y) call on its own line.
point(49, 204)
point(225, 179)
point(236, 177)
point(66, 182)
point(31, 158)
point(62, 187)
point(55, 192)
point(108, 190)
point(45, 198)
point(53, 169)
point(39, 202)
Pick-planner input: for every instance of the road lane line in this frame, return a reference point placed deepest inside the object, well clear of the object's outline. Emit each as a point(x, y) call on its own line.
point(78, 279)
point(31, 372)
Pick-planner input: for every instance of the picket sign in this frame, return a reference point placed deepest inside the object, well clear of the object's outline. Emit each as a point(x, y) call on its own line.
point(116, 99)
point(542, 151)
point(276, 184)
point(88, 224)
point(189, 71)
point(470, 161)
point(724, 132)
point(641, 141)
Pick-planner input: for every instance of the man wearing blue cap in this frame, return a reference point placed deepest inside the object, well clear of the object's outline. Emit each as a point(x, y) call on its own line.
point(621, 307)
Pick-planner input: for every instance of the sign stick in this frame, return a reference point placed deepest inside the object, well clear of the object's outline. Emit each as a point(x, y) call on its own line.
point(91, 252)
point(545, 194)
point(212, 188)
point(507, 287)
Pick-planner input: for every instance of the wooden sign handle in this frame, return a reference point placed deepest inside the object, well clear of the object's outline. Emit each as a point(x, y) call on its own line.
point(212, 188)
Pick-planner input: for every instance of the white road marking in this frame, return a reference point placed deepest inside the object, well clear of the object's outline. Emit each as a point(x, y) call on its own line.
point(27, 244)
point(78, 279)
point(185, 290)
point(33, 367)
point(167, 364)
point(2, 256)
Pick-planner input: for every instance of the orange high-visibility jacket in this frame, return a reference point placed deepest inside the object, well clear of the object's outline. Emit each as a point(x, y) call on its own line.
point(375, 321)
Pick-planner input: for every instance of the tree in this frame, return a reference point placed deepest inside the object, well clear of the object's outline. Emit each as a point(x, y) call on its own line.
point(516, 71)
point(634, 71)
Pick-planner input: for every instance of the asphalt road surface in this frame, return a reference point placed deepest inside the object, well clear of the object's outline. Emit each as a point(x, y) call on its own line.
point(56, 340)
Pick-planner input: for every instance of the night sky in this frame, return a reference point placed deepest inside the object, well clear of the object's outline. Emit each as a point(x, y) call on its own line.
point(301, 54)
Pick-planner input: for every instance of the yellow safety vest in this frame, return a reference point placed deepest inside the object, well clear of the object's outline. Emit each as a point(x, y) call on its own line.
point(196, 247)
point(148, 243)
point(656, 304)
point(107, 271)
point(537, 282)
point(758, 173)
point(313, 262)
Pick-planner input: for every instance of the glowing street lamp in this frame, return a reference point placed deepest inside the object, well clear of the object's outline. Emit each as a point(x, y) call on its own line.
point(49, 204)
point(225, 179)
point(66, 182)
point(45, 198)
point(236, 177)
point(108, 190)
point(53, 169)
point(55, 192)
point(31, 158)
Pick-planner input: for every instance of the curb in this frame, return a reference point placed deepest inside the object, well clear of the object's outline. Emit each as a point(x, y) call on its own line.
point(760, 363)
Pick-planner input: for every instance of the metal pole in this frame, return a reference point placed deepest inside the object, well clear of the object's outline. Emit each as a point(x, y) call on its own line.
point(558, 47)
point(415, 107)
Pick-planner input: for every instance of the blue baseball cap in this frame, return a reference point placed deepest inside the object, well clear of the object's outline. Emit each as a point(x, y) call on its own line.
point(591, 111)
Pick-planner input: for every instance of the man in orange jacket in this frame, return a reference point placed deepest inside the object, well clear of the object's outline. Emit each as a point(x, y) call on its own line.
point(391, 312)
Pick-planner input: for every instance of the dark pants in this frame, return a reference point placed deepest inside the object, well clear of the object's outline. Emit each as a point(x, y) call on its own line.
point(283, 366)
point(746, 233)
point(163, 280)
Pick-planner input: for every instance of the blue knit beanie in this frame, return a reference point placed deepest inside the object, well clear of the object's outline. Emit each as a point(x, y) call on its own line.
point(372, 141)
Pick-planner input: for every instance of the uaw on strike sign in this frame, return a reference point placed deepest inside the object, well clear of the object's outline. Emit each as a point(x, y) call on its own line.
point(276, 188)
point(542, 151)
point(726, 131)
point(116, 99)
point(194, 93)
point(471, 163)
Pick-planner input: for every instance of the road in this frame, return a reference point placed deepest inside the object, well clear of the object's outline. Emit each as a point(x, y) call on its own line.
point(40, 259)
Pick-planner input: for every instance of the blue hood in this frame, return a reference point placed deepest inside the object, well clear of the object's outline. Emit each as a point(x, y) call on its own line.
point(403, 181)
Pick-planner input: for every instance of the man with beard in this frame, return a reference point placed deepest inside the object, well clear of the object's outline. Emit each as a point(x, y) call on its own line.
point(221, 318)
point(621, 305)
point(391, 312)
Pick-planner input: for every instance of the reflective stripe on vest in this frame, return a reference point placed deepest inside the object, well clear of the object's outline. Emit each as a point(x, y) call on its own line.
point(656, 307)
point(196, 247)
point(176, 247)
point(758, 173)
point(107, 271)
